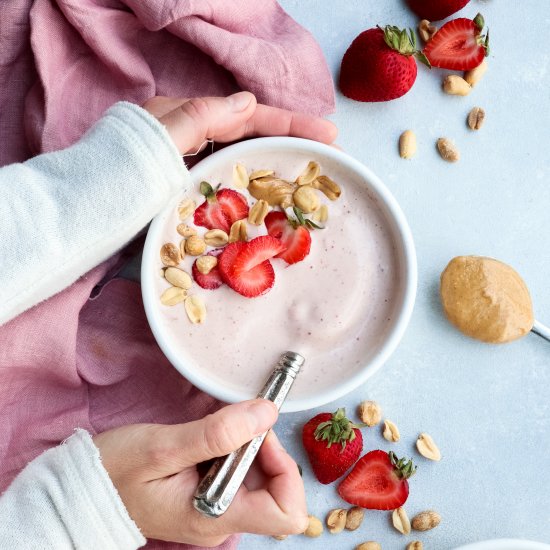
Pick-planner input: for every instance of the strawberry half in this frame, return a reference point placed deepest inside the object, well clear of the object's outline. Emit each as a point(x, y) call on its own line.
point(458, 45)
point(292, 233)
point(221, 208)
point(435, 10)
point(379, 65)
point(211, 280)
point(378, 481)
point(333, 444)
point(245, 267)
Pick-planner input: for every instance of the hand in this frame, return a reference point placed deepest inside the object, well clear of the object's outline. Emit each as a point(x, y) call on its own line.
point(191, 121)
point(154, 470)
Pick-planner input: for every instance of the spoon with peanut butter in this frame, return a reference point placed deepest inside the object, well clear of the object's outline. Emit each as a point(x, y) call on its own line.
point(488, 300)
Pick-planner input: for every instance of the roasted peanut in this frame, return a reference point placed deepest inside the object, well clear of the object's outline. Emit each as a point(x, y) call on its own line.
point(306, 199)
point(216, 238)
point(185, 230)
point(390, 431)
point(327, 186)
point(476, 118)
point(195, 246)
point(205, 264)
point(370, 545)
point(426, 30)
point(314, 528)
point(400, 520)
point(238, 231)
point(448, 150)
point(336, 520)
point(240, 176)
point(426, 520)
point(354, 518)
point(275, 191)
point(195, 309)
point(185, 208)
point(370, 413)
point(407, 144)
point(427, 447)
point(310, 173)
point(178, 277)
point(456, 85)
point(172, 296)
point(473, 76)
point(258, 212)
point(170, 254)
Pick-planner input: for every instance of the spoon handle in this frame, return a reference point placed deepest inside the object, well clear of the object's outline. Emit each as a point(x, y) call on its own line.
point(540, 330)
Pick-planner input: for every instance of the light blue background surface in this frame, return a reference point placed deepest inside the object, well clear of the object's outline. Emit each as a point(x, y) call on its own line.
point(486, 406)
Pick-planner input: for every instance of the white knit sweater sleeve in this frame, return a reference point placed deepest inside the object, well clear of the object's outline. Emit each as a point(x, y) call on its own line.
point(63, 213)
point(64, 499)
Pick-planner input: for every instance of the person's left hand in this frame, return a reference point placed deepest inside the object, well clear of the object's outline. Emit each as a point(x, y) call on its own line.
point(223, 119)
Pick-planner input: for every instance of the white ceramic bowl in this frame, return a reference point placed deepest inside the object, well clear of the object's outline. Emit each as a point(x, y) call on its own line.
point(404, 253)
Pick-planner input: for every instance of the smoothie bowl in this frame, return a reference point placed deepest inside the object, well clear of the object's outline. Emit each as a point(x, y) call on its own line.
point(302, 248)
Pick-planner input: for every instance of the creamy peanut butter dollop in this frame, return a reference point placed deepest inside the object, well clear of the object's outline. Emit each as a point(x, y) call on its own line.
point(486, 299)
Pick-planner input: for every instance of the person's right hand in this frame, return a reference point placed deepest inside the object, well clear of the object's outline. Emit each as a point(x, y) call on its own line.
point(154, 470)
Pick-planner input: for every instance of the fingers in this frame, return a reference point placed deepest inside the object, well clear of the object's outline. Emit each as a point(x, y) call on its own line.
point(272, 121)
point(181, 446)
point(196, 120)
point(282, 501)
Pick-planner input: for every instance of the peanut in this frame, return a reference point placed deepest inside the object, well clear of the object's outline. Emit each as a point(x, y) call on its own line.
point(473, 76)
point(370, 545)
point(327, 186)
point(310, 173)
point(370, 413)
point(400, 521)
point(426, 520)
point(426, 30)
point(320, 215)
point(172, 296)
point(456, 85)
point(390, 431)
point(205, 264)
point(258, 212)
point(170, 254)
point(427, 448)
point(216, 238)
point(260, 174)
point(178, 277)
point(476, 118)
point(314, 528)
point(195, 246)
point(415, 545)
point(238, 231)
point(185, 230)
point(240, 177)
point(306, 199)
point(185, 208)
point(275, 191)
point(336, 520)
point(447, 150)
point(195, 309)
point(407, 144)
point(354, 518)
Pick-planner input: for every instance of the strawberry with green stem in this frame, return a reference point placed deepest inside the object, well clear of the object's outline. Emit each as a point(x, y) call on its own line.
point(380, 64)
point(221, 207)
point(333, 443)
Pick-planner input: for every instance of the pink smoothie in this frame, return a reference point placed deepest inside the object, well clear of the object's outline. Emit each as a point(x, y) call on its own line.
point(333, 307)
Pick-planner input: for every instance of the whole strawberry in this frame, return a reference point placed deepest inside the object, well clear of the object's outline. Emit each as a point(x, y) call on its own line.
point(379, 65)
point(333, 444)
point(435, 10)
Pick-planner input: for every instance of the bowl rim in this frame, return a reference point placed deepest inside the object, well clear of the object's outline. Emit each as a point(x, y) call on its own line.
point(401, 233)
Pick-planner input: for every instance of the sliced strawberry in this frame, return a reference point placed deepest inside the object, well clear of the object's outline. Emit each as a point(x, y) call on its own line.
point(378, 481)
point(458, 45)
point(234, 205)
point(220, 209)
point(245, 267)
point(211, 280)
point(294, 236)
point(257, 251)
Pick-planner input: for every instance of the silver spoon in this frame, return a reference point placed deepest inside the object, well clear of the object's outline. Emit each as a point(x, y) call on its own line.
point(541, 330)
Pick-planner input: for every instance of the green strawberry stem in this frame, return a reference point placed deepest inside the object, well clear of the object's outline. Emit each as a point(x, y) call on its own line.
point(398, 39)
point(208, 191)
point(300, 220)
point(482, 40)
point(404, 468)
point(338, 429)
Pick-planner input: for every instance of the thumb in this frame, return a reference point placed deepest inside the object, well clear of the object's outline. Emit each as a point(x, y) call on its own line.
point(215, 435)
point(196, 120)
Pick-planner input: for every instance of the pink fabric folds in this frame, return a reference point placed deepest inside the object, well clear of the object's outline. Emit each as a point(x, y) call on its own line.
point(73, 361)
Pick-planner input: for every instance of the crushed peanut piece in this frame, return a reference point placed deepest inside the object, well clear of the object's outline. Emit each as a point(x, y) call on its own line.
point(390, 431)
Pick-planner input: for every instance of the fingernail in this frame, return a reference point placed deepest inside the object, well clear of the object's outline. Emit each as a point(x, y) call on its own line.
point(262, 416)
point(239, 102)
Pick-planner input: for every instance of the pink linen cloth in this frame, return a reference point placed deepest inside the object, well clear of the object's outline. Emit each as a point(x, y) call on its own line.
point(74, 361)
